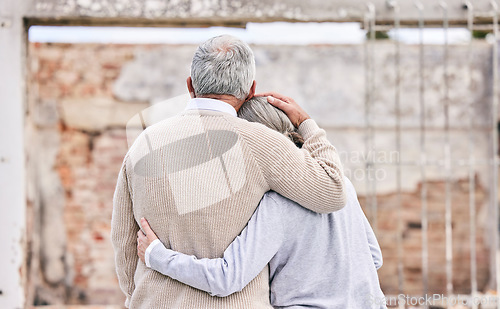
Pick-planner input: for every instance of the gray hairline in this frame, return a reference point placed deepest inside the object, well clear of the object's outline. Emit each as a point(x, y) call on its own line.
point(258, 110)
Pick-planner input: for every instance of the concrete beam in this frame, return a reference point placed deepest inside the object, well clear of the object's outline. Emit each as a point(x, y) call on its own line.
point(238, 12)
point(12, 156)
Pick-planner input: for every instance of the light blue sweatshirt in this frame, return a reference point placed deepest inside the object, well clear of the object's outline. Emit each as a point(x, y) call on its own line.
point(315, 260)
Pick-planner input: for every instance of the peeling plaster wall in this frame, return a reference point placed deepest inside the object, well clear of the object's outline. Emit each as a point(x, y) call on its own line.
point(329, 81)
point(76, 146)
point(47, 139)
point(81, 97)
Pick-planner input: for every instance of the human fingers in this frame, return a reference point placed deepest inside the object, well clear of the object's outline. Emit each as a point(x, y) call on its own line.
point(141, 252)
point(147, 229)
point(295, 113)
point(141, 238)
point(142, 244)
point(278, 103)
point(275, 95)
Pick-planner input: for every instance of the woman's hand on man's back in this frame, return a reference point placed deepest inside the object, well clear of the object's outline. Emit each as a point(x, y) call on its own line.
point(144, 240)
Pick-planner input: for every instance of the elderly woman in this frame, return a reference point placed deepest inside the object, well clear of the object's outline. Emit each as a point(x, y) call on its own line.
point(315, 260)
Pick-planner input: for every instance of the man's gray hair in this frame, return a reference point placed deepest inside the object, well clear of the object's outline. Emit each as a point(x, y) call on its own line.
point(223, 65)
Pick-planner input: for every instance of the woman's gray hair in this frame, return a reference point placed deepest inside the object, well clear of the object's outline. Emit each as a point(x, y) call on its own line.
point(259, 110)
point(223, 65)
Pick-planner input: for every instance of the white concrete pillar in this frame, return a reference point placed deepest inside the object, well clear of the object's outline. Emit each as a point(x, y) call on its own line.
point(12, 157)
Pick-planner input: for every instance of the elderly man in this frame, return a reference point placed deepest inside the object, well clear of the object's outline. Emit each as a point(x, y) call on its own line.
point(199, 176)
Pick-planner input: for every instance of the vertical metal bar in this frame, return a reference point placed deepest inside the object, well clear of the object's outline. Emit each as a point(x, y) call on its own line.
point(397, 110)
point(472, 171)
point(366, 23)
point(371, 197)
point(447, 159)
point(367, 105)
point(423, 155)
point(494, 135)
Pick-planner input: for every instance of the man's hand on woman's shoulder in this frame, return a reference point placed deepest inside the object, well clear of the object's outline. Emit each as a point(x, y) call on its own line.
point(295, 113)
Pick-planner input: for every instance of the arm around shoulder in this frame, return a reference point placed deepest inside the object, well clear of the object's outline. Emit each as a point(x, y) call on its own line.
point(312, 176)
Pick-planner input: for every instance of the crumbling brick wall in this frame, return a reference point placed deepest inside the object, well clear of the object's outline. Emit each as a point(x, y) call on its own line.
point(82, 95)
point(387, 217)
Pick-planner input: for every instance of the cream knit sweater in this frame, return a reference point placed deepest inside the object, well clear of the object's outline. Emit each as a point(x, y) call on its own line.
point(197, 178)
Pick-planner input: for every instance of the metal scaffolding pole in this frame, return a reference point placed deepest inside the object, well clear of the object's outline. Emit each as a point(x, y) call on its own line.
point(397, 128)
point(423, 156)
point(472, 159)
point(494, 136)
point(371, 197)
point(447, 158)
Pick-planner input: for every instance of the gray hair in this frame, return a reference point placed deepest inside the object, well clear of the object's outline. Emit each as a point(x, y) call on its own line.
point(223, 65)
point(259, 110)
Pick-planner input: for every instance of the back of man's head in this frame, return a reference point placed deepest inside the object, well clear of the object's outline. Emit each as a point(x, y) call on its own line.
point(223, 65)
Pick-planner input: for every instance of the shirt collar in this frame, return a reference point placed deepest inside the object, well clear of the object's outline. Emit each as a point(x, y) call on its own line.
point(211, 104)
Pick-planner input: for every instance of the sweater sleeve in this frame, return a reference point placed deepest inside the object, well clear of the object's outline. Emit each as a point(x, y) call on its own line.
point(124, 230)
point(243, 260)
point(312, 176)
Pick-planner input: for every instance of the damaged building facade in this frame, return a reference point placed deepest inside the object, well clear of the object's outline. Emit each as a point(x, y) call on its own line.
point(65, 108)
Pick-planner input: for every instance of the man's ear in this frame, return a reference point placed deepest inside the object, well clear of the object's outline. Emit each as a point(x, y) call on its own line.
point(252, 91)
point(189, 82)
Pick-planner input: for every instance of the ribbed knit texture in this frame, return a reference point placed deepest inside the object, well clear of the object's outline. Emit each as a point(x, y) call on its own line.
point(197, 178)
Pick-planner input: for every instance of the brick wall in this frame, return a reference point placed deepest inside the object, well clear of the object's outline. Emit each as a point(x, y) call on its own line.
point(410, 212)
point(87, 157)
point(81, 96)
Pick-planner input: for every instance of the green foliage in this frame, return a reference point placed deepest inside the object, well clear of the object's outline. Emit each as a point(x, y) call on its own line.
point(480, 34)
point(379, 35)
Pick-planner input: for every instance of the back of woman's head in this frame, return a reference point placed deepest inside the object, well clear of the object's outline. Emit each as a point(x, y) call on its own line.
point(259, 110)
